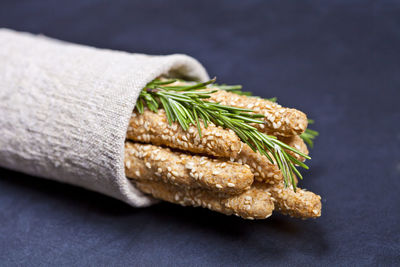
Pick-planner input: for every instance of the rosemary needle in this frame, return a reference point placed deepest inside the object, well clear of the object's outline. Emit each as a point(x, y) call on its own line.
point(308, 136)
point(187, 104)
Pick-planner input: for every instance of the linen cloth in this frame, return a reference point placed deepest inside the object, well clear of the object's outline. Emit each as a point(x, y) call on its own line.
point(65, 108)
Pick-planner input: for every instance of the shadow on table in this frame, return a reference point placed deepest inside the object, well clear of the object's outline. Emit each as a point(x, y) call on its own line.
point(269, 238)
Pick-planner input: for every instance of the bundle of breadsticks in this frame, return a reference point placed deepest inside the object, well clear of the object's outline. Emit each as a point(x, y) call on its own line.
point(207, 165)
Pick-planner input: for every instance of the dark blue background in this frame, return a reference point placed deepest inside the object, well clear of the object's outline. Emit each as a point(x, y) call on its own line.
point(338, 61)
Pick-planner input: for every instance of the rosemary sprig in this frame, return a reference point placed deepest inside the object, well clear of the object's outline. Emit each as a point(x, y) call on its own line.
point(309, 135)
point(187, 104)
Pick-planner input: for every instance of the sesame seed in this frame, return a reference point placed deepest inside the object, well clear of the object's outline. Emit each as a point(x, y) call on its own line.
point(137, 173)
point(148, 165)
point(189, 165)
point(231, 185)
point(218, 186)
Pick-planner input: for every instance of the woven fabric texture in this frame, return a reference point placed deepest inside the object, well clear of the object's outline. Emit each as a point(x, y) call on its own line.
point(65, 108)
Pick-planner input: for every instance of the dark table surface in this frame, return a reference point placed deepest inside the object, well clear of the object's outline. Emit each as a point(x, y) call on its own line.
point(338, 61)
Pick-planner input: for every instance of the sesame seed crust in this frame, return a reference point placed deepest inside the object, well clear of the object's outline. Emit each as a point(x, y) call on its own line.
point(224, 184)
point(151, 127)
point(301, 204)
point(149, 162)
point(262, 168)
point(252, 204)
point(278, 120)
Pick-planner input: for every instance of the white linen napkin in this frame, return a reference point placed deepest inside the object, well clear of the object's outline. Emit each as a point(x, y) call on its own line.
point(65, 108)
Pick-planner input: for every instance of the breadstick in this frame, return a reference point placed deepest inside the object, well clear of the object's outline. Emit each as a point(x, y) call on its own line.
point(260, 165)
point(252, 204)
point(296, 142)
point(262, 168)
point(151, 127)
point(278, 120)
point(149, 162)
point(301, 204)
point(154, 132)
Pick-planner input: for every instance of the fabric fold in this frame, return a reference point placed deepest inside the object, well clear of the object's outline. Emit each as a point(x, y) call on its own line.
point(65, 109)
